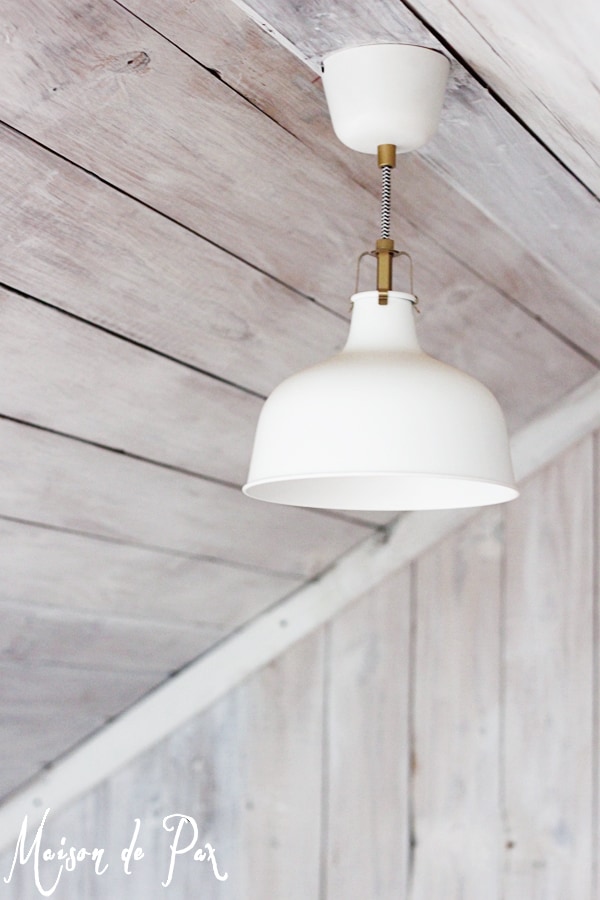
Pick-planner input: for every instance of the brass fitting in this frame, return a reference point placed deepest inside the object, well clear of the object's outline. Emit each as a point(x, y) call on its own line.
point(386, 155)
point(384, 251)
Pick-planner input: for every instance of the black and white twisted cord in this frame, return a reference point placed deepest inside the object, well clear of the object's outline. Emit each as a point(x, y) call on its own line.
point(386, 200)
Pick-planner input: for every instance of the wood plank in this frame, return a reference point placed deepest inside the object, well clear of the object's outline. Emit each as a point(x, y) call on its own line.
point(456, 780)
point(134, 272)
point(47, 635)
point(483, 324)
point(498, 258)
point(549, 682)
point(215, 162)
point(49, 568)
point(596, 724)
point(563, 425)
point(265, 638)
point(56, 481)
point(84, 824)
point(59, 373)
point(52, 365)
point(15, 775)
point(220, 36)
point(248, 770)
point(367, 795)
point(552, 89)
point(506, 172)
point(47, 709)
point(524, 365)
point(344, 221)
point(276, 750)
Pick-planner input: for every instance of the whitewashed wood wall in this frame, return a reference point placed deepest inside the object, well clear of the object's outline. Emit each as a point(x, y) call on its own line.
point(438, 740)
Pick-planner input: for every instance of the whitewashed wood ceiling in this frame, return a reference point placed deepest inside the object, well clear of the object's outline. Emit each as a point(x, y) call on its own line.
point(179, 230)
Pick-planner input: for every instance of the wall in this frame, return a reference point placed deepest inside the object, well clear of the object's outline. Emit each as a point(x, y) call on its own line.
point(436, 741)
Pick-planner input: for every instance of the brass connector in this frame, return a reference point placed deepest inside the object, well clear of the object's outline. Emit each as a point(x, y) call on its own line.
point(386, 155)
point(384, 251)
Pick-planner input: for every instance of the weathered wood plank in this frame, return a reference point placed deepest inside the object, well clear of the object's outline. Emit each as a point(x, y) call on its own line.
point(12, 776)
point(43, 635)
point(525, 188)
point(596, 725)
point(275, 751)
point(524, 365)
point(50, 568)
point(499, 259)
point(548, 683)
point(85, 248)
point(367, 781)
point(456, 779)
point(56, 481)
point(214, 162)
point(558, 429)
point(343, 221)
point(552, 89)
point(506, 172)
point(59, 373)
point(266, 637)
point(159, 314)
point(222, 37)
point(46, 709)
point(248, 770)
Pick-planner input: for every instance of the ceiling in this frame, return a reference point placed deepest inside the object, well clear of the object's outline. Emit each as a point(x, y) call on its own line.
point(180, 229)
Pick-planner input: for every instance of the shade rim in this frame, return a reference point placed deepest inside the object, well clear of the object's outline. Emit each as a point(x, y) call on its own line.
point(501, 491)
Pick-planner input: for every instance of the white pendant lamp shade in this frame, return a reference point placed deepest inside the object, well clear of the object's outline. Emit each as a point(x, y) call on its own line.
point(381, 426)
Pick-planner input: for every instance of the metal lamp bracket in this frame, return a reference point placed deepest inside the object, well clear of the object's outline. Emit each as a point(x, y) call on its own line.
point(396, 254)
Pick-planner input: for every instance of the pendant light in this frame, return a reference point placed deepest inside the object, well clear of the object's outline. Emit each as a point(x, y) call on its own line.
point(382, 425)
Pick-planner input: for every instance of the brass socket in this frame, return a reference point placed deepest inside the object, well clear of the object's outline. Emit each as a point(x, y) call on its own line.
point(386, 155)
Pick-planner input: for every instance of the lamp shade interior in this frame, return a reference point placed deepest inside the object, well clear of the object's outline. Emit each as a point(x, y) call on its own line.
point(381, 491)
point(381, 426)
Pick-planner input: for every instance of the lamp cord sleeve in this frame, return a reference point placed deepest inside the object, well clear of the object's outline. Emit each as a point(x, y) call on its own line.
point(386, 200)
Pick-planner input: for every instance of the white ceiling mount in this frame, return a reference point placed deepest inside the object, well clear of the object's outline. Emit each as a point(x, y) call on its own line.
point(385, 94)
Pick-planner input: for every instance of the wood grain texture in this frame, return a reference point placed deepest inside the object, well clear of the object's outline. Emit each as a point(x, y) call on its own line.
point(596, 724)
point(344, 221)
point(223, 38)
point(269, 634)
point(214, 163)
point(61, 570)
point(549, 683)
point(59, 373)
point(366, 789)
point(249, 773)
point(83, 247)
point(456, 779)
point(59, 482)
point(46, 709)
point(48, 635)
point(522, 363)
point(159, 313)
point(249, 767)
point(542, 59)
